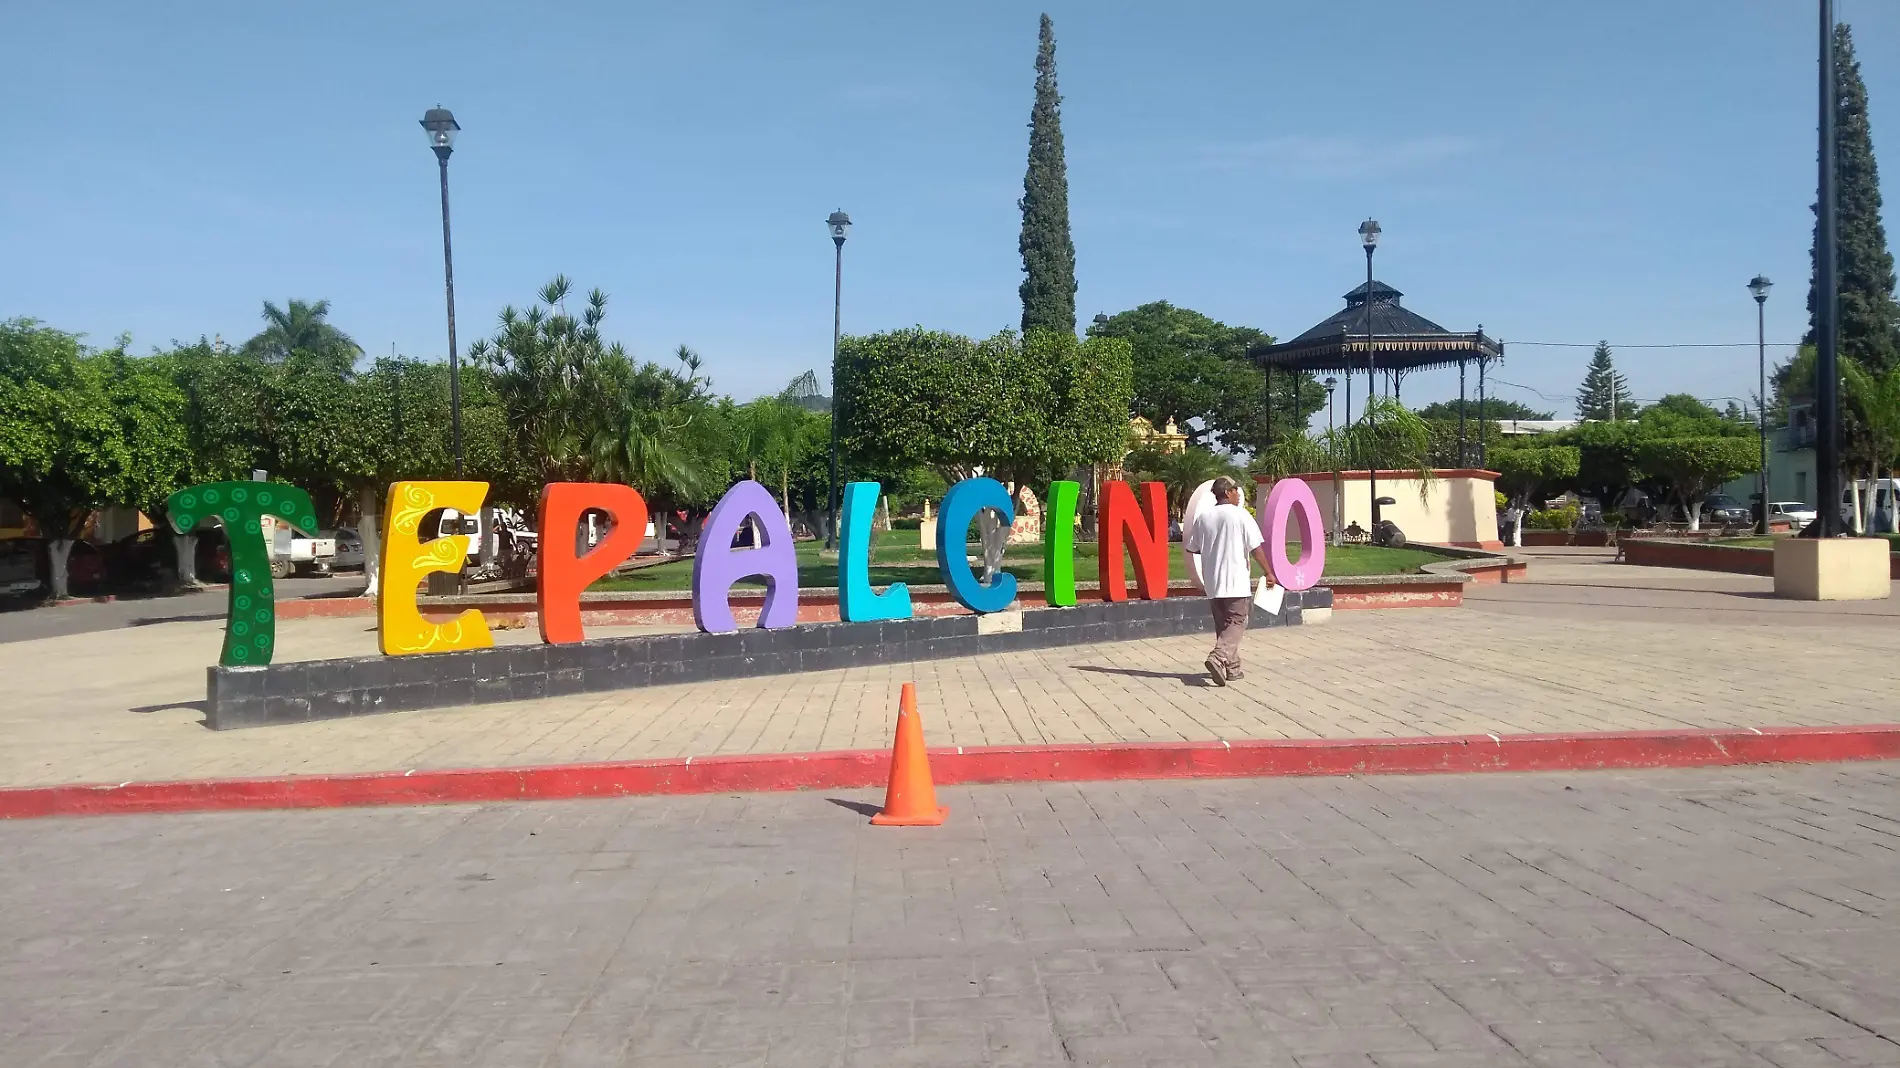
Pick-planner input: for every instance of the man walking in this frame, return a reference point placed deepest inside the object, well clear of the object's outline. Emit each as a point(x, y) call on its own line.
point(1224, 536)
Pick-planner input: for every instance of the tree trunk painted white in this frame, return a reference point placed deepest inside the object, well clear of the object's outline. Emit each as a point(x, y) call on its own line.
point(368, 529)
point(883, 520)
point(488, 536)
point(1858, 519)
point(994, 537)
point(1517, 529)
point(185, 547)
point(1694, 509)
point(58, 550)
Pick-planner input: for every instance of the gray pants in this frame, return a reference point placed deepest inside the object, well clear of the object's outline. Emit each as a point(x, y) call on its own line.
point(1230, 622)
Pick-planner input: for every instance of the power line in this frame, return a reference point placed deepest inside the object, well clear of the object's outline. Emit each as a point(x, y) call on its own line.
point(1685, 345)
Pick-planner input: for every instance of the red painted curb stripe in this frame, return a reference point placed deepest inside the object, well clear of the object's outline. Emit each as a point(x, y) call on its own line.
point(845, 769)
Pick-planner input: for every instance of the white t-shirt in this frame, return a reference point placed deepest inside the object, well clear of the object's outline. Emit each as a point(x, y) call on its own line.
point(1225, 536)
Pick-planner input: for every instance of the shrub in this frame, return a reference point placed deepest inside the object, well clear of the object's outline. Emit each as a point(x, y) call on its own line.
point(1553, 519)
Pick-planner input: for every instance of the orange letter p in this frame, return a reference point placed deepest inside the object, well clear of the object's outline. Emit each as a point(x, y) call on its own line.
point(564, 574)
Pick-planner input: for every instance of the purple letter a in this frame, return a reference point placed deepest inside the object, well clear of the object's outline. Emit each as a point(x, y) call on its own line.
point(717, 565)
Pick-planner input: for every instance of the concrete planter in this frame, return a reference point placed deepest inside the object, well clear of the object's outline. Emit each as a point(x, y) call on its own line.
point(1833, 569)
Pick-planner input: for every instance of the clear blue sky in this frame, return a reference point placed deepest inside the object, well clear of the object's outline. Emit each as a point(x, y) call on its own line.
point(1556, 172)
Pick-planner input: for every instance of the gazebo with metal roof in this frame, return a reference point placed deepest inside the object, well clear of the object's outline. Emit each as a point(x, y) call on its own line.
point(1396, 341)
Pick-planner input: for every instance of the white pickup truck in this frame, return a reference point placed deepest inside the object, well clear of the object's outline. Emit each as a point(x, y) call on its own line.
point(293, 554)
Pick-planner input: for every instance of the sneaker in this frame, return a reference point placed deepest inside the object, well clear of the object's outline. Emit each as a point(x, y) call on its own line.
point(1215, 669)
point(1233, 675)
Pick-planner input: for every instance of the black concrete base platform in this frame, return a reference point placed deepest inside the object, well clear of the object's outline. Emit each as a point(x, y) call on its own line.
point(357, 686)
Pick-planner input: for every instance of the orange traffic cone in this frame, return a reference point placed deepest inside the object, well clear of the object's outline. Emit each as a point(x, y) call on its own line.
point(911, 800)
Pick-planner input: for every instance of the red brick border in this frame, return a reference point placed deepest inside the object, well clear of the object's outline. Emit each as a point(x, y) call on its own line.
point(1732, 559)
point(850, 769)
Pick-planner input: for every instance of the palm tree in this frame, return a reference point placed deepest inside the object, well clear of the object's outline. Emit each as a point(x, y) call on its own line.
point(301, 326)
point(648, 432)
point(1389, 435)
point(546, 366)
point(1182, 472)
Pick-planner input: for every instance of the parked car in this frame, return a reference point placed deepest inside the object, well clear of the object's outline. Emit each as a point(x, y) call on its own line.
point(1721, 508)
point(19, 566)
point(349, 549)
point(1794, 512)
point(293, 554)
point(1880, 519)
point(142, 559)
point(85, 565)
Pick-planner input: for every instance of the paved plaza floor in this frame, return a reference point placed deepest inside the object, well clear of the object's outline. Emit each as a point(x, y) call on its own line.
point(1709, 918)
point(1587, 645)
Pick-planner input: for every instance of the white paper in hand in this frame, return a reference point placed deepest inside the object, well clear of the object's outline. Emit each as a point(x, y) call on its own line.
point(1269, 598)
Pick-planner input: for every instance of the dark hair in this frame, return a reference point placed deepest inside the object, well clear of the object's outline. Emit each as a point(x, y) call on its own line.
point(1223, 486)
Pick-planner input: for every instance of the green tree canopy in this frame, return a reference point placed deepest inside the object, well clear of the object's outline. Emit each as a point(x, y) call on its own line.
point(1194, 370)
point(62, 448)
point(1494, 408)
point(1024, 411)
point(1680, 415)
point(1692, 468)
point(1528, 474)
point(152, 412)
point(1607, 465)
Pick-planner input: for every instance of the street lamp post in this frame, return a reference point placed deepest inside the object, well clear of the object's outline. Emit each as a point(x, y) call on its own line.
point(1759, 286)
point(1369, 237)
point(1329, 384)
point(840, 225)
point(1827, 375)
point(441, 127)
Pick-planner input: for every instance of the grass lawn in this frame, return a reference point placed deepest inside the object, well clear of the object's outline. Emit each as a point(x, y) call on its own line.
point(895, 557)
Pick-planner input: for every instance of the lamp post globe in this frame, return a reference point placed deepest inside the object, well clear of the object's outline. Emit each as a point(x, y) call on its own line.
point(1758, 287)
point(441, 127)
point(839, 226)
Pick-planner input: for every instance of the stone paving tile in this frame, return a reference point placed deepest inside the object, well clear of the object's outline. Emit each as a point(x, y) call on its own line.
point(1714, 917)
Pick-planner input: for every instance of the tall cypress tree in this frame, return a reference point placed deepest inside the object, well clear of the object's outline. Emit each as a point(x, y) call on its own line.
point(1048, 288)
point(1868, 329)
point(1604, 394)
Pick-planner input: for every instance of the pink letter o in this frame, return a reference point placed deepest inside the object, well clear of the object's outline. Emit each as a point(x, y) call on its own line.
point(1292, 498)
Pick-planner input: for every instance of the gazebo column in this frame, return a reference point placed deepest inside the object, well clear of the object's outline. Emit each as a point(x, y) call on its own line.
point(1482, 459)
point(1348, 373)
point(1269, 406)
point(1462, 454)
